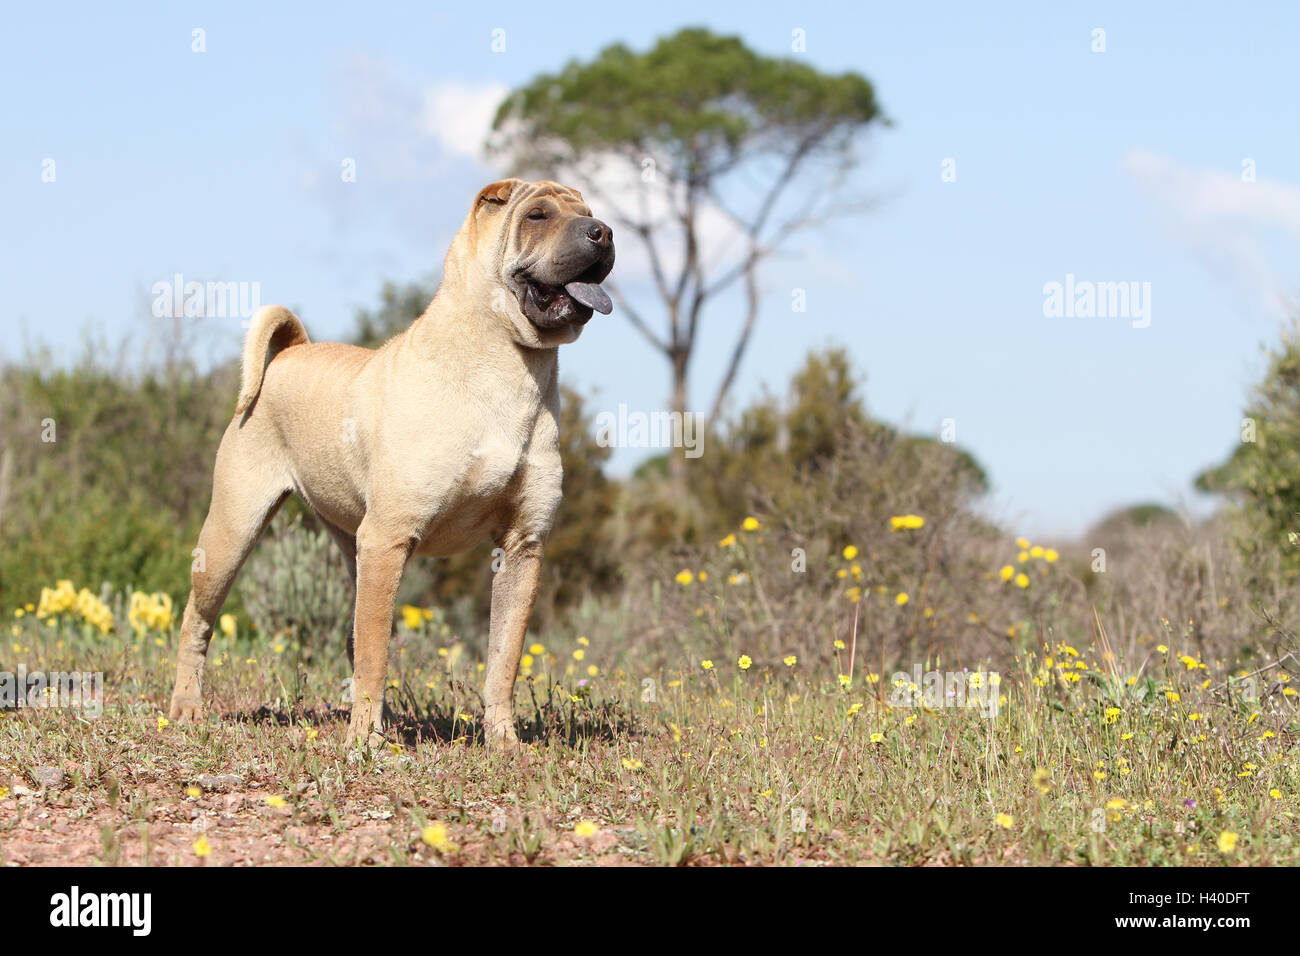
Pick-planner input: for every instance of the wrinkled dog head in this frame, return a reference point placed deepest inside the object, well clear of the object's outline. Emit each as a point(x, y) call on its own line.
point(544, 254)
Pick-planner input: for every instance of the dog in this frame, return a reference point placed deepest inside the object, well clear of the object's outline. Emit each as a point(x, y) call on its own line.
point(444, 436)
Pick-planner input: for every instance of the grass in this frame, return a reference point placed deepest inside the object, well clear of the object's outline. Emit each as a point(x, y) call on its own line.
point(1089, 761)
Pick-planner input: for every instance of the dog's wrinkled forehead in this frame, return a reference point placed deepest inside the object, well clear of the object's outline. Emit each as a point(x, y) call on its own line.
point(512, 194)
point(504, 218)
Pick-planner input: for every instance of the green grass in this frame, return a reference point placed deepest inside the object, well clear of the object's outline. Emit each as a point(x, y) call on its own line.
point(764, 766)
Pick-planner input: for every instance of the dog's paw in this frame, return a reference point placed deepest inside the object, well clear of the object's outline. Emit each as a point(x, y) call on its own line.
point(500, 738)
point(365, 728)
point(512, 750)
point(185, 710)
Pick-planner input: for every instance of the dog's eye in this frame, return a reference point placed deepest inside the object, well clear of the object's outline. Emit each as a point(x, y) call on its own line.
point(537, 214)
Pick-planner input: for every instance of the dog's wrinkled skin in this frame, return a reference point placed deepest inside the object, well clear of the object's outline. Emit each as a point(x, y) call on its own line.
point(445, 435)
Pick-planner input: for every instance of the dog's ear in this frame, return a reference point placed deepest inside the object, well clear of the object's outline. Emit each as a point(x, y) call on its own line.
point(497, 194)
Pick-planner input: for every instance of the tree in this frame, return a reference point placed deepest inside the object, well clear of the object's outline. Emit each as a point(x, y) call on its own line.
point(1262, 476)
point(698, 131)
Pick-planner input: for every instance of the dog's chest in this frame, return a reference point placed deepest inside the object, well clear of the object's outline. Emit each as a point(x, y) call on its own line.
point(500, 449)
point(492, 464)
point(493, 481)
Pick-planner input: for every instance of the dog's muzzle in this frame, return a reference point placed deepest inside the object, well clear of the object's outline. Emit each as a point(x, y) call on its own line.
point(563, 287)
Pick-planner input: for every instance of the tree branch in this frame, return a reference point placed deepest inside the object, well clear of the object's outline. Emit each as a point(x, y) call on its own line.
point(635, 318)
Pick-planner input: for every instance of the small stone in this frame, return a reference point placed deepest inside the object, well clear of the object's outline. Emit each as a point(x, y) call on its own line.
point(225, 781)
point(49, 778)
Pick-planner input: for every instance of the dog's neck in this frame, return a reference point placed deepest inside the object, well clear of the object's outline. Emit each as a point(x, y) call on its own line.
point(444, 328)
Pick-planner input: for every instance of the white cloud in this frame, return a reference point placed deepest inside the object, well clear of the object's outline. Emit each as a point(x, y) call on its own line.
point(1228, 223)
point(416, 144)
point(459, 115)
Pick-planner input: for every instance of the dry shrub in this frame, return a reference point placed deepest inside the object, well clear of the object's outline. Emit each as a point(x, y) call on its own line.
point(820, 477)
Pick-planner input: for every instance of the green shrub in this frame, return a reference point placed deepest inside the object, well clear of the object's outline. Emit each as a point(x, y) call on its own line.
point(296, 584)
point(1262, 476)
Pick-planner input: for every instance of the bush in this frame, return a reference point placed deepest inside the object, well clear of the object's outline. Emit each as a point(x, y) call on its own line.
point(296, 584)
point(120, 492)
point(1262, 476)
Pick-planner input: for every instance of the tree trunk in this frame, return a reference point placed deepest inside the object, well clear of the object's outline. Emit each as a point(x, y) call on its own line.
point(677, 456)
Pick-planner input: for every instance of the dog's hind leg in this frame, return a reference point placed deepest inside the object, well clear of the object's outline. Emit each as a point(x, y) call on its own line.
point(247, 490)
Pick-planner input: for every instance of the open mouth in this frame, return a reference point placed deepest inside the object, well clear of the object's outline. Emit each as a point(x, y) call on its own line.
point(572, 303)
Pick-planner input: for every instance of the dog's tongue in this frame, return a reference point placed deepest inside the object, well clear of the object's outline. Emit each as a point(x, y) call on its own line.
point(591, 295)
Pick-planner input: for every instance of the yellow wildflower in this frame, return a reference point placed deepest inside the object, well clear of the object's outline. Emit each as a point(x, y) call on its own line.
point(435, 835)
point(907, 522)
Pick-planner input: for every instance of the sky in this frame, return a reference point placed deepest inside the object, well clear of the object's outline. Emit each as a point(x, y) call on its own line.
point(1168, 158)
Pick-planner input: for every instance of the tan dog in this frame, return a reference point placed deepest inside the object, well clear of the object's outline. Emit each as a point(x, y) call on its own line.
point(442, 437)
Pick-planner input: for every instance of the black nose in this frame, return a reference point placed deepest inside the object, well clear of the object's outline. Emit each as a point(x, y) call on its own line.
point(599, 233)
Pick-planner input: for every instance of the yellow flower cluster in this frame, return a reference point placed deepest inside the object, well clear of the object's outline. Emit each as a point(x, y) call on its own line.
point(1028, 552)
point(1062, 665)
point(94, 611)
point(413, 617)
point(907, 522)
point(150, 612)
point(63, 597)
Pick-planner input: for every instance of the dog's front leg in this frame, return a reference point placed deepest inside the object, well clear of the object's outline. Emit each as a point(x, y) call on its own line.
point(380, 562)
point(513, 592)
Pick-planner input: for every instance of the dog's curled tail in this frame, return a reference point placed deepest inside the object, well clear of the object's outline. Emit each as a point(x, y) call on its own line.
point(272, 329)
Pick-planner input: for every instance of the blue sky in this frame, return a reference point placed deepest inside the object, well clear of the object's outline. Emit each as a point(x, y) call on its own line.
point(1123, 165)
